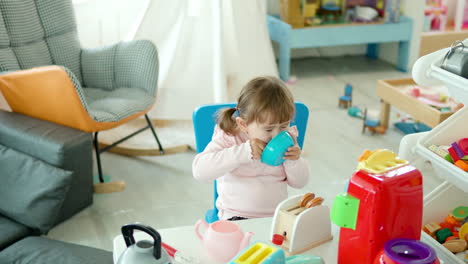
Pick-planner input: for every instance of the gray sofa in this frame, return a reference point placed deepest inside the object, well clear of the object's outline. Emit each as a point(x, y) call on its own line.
point(45, 178)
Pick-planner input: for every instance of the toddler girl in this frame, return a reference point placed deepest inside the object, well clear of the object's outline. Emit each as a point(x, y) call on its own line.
point(248, 188)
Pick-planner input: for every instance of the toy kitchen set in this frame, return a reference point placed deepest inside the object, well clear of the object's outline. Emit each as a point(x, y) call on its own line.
point(380, 215)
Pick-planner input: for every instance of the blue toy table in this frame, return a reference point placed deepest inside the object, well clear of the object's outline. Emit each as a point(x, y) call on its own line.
point(334, 35)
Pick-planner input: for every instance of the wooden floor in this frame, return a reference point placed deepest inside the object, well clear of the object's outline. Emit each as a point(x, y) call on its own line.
point(161, 192)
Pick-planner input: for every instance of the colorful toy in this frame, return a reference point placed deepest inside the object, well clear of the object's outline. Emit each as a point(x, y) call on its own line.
point(302, 222)
point(460, 213)
point(261, 253)
point(438, 97)
point(463, 144)
point(451, 233)
point(406, 251)
point(384, 201)
point(273, 153)
point(412, 127)
point(310, 7)
point(331, 4)
point(463, 232)
point(222, 240)
point(143, 251)
point(392, 11)
point(373, 125)
point(457, 153)
point(379, 161)
point(365, 13)
point(346, 100)
point(355, 112)
point(330, 10)
point(290, 12)
point(432, 228)
point(435, 15)
point(455, 245)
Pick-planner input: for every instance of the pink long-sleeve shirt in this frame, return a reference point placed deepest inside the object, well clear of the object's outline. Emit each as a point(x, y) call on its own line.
point(246, 187)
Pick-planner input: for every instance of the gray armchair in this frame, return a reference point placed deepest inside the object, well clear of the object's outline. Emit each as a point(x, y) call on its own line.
point(47, 75)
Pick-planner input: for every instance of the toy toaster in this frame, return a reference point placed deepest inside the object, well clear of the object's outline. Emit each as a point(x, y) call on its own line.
point(301, 223)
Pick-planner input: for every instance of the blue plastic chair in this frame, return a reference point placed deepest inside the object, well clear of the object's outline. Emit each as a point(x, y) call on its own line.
point(204, 121)
point(347, 99)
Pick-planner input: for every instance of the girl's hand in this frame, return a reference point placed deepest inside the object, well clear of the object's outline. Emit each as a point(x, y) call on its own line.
point(257, 147)
point(294, 152)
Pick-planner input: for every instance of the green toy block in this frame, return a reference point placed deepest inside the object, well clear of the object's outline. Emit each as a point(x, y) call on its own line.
point(345, 211)
point(442, 235)
point(449, 158)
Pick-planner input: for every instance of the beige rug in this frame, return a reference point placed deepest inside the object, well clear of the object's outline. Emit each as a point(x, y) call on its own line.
point(174, 135)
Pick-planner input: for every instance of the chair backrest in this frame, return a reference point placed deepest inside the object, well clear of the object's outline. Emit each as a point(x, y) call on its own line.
point(348, 90)
point(204, 121)
point(38, 33)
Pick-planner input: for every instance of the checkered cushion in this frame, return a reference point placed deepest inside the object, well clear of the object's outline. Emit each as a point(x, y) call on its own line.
point(36, 33)
point(126, 64)
point(111, 105)
point(98, 67)
point(136, 65)
point(114, 105)
point(112, 82)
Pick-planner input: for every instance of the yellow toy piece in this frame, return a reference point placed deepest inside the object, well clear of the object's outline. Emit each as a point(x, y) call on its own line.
point(379, 161)
point(463, 232)
point(309, 8)
point(260, 253)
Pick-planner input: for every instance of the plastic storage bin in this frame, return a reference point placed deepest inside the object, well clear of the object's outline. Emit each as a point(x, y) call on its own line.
point(457, 86)
point(437, 205)
point(453, 192)
point(452, 129)
point(427, 71)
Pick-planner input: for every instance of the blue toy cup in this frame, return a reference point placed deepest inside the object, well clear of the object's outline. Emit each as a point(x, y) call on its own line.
point(274, 151)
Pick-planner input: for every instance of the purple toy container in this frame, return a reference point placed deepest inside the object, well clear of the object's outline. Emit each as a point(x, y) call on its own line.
point(406, 251)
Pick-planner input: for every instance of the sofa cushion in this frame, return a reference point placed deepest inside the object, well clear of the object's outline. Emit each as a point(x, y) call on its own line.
point(40, 250)
point(11, 232)
point(32, 192)
point(45, 140)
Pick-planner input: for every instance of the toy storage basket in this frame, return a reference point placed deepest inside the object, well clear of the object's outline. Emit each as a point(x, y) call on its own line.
point(427, 69)
point(452, 129)
point(437, 205)
point(453, 192)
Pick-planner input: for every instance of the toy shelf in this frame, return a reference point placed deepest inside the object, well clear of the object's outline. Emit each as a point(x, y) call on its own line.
point(344, 24)
point(454, 190)
point(290, 38)
point(452, 129)
point(392, 93)
point(455, 127)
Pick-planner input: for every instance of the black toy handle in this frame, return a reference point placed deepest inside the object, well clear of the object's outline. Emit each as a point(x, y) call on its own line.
point(127, 232)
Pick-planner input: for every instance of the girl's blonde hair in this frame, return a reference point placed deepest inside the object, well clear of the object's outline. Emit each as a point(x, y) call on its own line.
point(263, 99)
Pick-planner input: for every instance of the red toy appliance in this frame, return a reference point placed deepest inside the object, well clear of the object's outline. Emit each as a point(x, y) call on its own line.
point(384, 200)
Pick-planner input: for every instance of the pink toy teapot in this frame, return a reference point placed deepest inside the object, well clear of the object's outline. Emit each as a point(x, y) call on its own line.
point(222, 240)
